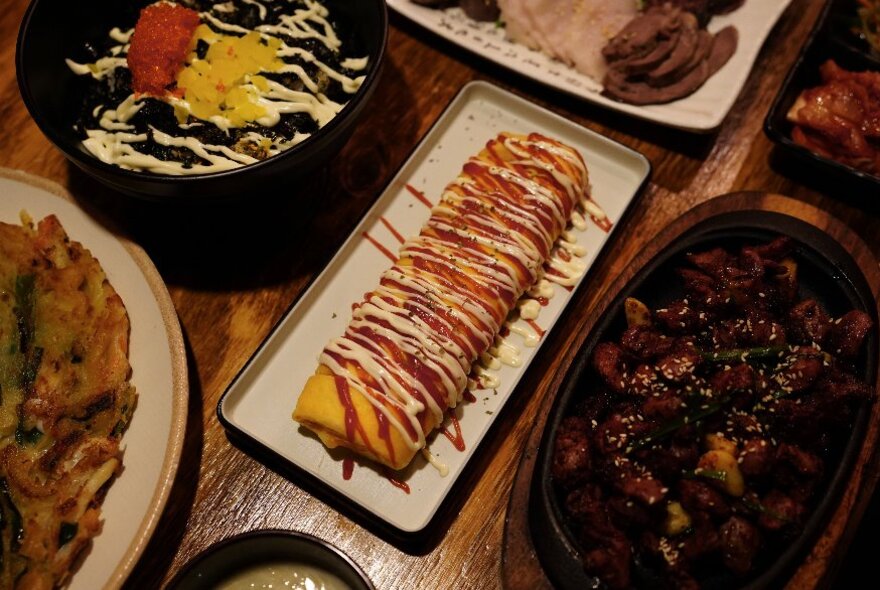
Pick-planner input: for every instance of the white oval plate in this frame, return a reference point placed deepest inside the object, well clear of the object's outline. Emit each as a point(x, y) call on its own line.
point(702, 111)
point(154, 440)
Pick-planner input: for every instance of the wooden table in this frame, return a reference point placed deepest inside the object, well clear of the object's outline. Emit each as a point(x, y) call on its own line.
point(230, 284)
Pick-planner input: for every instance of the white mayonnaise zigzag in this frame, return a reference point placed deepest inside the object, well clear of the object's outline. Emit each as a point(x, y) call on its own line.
point(414, 340)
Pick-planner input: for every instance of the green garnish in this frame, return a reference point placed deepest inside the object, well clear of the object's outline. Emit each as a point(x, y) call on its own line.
point(705, 473)
point(743, 354)
point(675, 424)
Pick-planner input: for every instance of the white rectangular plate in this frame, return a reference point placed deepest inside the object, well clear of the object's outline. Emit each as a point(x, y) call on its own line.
point(259, 403)
point(702, 111)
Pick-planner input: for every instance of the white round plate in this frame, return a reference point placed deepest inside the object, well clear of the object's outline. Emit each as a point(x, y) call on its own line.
point(154, 440)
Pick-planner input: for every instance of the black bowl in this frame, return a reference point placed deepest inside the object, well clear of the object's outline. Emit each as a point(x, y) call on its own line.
point(827, 273)
point(241, 552)
point(822, 45)
point(53, 30)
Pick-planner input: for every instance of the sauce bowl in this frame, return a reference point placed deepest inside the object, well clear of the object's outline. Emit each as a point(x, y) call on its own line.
point(225, 559)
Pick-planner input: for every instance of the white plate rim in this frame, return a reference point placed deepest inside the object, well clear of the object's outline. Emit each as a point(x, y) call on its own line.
point(430, 19)
point(288, 466)
point(179, 378)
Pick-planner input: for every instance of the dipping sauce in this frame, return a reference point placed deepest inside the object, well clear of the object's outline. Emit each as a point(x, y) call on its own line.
point(284, 576)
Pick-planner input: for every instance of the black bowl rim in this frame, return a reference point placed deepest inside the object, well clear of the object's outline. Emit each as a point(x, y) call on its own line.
point(772, 130)
point(541, 503)
point(121, 175)
point(245, 537)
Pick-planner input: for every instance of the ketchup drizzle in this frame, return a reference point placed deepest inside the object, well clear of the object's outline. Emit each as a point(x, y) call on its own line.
point(380, 247)
point(401, 485)
point(352, 423)
point(419, 195)
point(604, 224)
point(538, 329)
point(390, 227)
point(478, 216)
point(456, 439)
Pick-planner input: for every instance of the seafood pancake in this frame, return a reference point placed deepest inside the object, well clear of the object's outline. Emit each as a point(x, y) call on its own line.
point(65, 400)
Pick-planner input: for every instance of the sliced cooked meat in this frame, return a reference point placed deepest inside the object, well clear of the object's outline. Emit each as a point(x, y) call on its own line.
point(642, 34)
point(664, 55)
point(683, 56)
point(642, 64)
point(723, 47)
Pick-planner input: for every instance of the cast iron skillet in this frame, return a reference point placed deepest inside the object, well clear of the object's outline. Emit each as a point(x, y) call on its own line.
point(53, 30)
point(826, 272)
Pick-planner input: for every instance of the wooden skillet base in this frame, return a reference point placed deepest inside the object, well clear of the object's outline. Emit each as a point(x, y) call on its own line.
point(520, 566)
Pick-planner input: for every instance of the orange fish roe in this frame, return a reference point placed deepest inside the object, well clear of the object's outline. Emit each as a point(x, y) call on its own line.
point(159, 46)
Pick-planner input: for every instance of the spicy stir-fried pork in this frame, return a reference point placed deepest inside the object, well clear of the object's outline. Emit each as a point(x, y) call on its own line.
point(707, 444)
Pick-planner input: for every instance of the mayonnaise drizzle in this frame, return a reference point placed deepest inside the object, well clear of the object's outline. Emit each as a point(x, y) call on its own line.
point(506, 353)
point(441, 467)
point(260, 8)
point(112, 142)
point(415, 339)
point(529, 309)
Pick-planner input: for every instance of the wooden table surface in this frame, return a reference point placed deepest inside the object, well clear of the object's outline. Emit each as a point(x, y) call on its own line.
point(232, 277)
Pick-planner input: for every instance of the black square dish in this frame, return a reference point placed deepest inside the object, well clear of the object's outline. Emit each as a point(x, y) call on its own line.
point(803, 75)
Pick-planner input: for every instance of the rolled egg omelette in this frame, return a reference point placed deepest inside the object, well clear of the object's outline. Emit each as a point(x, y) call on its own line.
point(405, 357)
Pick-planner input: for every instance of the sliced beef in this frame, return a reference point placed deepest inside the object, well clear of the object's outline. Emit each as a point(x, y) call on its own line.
point(663, 55)
point(617, 86)
point(642, 64)
point(686, 55)
point(643, 34)
point(723, 47)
